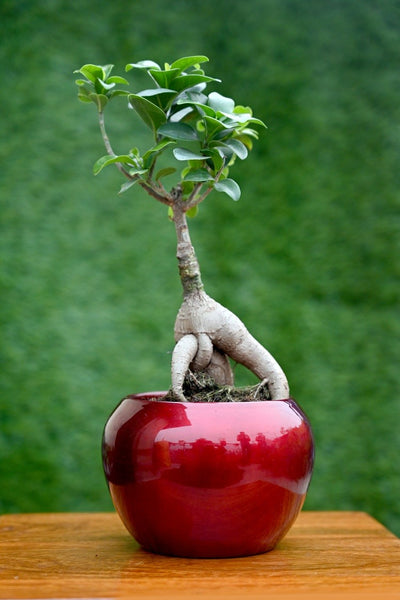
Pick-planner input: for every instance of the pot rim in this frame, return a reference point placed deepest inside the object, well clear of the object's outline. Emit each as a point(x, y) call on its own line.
point(156, 396)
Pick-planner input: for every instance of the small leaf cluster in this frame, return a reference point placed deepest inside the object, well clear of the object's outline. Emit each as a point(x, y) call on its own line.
point(98, 85)
point(206, 132)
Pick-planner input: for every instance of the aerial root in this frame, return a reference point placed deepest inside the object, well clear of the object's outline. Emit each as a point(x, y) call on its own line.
point(208, 335)
point(184, 352)
point(220, 368)
point(204, 352)
point(197, 353)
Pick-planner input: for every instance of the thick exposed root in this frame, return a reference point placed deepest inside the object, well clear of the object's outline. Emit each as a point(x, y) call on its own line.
point(201, 317)
point(204, 352)
point(184, 352)
point(219, 368)
point(206, 333)
point(200, 355)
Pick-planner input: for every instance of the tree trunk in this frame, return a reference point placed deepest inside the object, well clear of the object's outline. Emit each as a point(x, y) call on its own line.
point(206, 333)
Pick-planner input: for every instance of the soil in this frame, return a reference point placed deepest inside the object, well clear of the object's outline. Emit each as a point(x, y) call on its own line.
point(200, 387)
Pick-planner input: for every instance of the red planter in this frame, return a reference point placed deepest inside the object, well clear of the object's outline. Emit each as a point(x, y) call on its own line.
point(207, 480)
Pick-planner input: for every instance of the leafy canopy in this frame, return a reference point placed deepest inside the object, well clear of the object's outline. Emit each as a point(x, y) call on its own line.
point(206, 132)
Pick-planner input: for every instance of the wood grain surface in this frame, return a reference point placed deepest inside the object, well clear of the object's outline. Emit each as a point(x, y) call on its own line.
point(90, 555)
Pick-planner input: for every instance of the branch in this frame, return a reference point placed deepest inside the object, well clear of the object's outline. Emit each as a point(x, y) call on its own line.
point(109, 149)
point(161, 197)
point(202, 197)
point(152, 191)
point(192, 200)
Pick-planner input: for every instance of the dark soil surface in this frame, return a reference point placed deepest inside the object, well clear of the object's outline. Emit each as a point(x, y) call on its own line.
point(200, 387)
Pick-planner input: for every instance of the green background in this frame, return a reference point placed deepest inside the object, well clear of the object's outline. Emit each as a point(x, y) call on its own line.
point(309, 257)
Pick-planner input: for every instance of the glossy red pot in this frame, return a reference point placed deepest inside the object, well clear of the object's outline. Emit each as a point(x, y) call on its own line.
point(207, 480)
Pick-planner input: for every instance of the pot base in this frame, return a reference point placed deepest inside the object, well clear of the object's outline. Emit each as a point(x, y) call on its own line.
point(207, 523)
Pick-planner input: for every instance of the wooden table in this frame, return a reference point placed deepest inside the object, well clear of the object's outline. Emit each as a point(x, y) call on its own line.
point(325, 555)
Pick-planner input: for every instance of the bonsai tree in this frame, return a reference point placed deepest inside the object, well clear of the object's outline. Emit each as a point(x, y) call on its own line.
point(198, 135)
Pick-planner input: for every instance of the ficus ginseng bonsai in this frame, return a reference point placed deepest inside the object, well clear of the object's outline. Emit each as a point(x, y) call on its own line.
point(201, 134)
point(209, 477)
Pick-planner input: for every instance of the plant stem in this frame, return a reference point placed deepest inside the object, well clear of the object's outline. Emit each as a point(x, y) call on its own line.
point(108, 146)
point(104, 135)
point(189, 269)
point(194, 199)
point(164, 199)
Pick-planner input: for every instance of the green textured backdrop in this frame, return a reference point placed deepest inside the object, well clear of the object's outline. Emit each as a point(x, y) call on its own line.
point(309, 258)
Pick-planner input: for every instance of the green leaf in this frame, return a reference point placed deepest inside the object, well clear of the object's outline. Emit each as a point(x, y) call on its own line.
point(216, 157)
point(144, 65)
point(192, 212)
point(117, 79)
point(137, 172)
point(214, 126)
point(106, 160)
point(84, 98)
point(92, 72)
point(198, 175)
point(151, 114)
point(86, 88)
point(187, 188)
point(224, 133)
point(127, 185)
point(193, 97)
point(238, 148)
point(258, 122)
point(244, 115)
point(188, 61)
point(178, 131)
point(107, 70)
point(164, 78)
point(180, 114)
point(184, 154)
point(248, 131)
point(184, 82)
point(135, 152)
point(221, 103)
point(118, 93)
point(100, 100)
point(155, 150)
point(164, 172)
point(196, 164)
point(201, 108)
point(155, 92)
point(223, 149)
point(104, 85)
point(225, 173)
point(159, 147)
point(245, 119)
point(205, 110)
point(161, 97)
point(229, 187)
point(83, 82)
point(243, 110)
point(247, 141)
